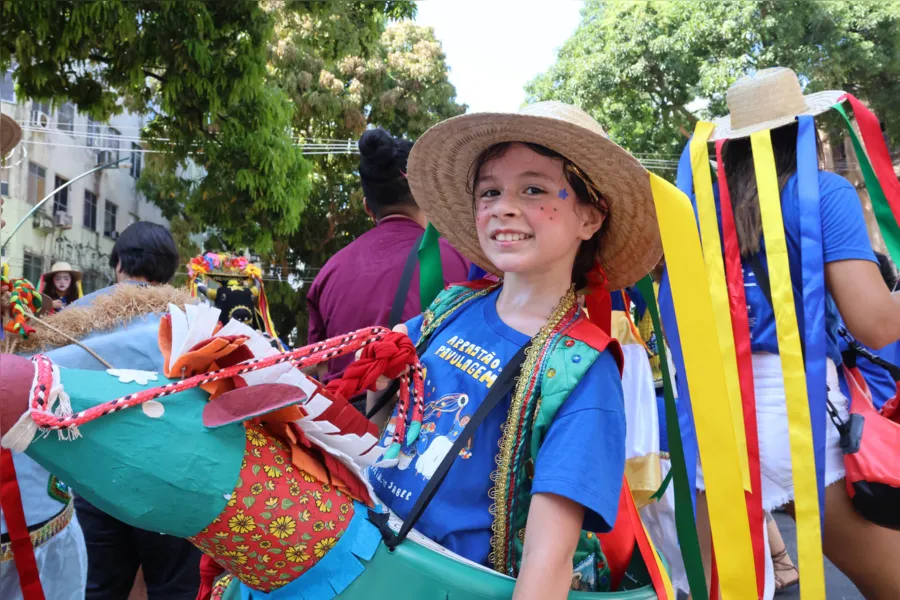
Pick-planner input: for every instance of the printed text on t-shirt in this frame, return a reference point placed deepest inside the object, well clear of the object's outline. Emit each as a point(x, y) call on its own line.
point(482, 365)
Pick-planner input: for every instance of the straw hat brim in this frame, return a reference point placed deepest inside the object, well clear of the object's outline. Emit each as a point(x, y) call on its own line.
point(10, 135)
point(63, 267)
point(818, 103)
point(440, 167)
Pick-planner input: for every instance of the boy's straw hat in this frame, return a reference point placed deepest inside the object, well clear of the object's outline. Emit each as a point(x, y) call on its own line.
point(10, 135)
point(440, 166)
point(768, 99)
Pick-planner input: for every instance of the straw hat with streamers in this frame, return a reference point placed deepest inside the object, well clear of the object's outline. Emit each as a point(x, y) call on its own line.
point(10, 135)
point(440, 166)
point(768, 99)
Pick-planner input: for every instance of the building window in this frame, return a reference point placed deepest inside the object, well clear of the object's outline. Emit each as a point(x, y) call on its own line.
point(40, 114)
point(33, 267)
point(37, 176)
point(112, 144)
point(93, 131)
point(90, 210)
point(65, 117)
point(7, 87)
point(109, 220)
point(60, 198)
point(136, 160)
point(4, 182)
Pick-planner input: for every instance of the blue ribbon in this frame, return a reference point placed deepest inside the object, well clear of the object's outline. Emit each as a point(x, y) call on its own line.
point(476, 273)
point(683, 405)
point(813, 270)
point(335, 571)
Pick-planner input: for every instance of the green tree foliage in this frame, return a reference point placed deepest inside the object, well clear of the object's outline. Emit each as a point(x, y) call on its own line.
point(636, 65)
point(198, 69)
point(399, 82)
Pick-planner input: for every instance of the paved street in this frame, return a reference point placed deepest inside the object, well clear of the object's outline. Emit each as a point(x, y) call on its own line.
point(837, 586)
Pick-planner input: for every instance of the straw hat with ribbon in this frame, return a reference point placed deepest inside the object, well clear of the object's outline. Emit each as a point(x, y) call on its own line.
point(440, 167)
point(768, 99)
point(10, 135)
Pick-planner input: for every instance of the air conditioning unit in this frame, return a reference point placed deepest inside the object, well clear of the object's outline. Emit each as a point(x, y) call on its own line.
point(40, 119)
point(63, 220)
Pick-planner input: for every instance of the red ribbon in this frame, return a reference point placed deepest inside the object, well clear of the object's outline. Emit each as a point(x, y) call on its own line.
point(20, 539)
point(598, 300)
point(740, 325)
point(877, 149)
point(209, 570)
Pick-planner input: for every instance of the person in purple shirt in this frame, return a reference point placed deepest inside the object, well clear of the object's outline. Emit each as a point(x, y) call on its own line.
point(356, 287)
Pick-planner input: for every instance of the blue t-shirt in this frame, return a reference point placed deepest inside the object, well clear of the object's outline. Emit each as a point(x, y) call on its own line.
point(879, 380)
point(844, 237)
point(582, 457)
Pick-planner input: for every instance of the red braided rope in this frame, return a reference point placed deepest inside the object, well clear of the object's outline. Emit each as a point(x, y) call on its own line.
point(383, 353)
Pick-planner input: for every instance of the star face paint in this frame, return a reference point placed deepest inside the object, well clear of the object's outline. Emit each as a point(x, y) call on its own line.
point(563, 194)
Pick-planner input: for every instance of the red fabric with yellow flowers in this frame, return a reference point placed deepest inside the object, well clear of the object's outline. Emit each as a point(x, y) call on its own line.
point(279, 521)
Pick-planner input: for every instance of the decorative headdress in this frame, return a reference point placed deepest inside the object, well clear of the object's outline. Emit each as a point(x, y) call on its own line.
point(227, 269)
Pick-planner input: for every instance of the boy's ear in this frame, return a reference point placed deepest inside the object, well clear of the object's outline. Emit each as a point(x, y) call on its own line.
point(591, 222)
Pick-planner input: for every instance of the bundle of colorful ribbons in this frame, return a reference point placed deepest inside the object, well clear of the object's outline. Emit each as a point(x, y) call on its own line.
point(715, 316)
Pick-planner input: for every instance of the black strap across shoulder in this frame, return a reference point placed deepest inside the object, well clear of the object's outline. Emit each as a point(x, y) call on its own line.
point(498, 391)
point(394, 318)
point(409, 270)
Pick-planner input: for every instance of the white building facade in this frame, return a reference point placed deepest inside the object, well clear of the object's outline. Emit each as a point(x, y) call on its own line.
point(79, 225)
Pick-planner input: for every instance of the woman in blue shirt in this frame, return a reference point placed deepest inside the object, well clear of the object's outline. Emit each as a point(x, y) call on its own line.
point(855, 291)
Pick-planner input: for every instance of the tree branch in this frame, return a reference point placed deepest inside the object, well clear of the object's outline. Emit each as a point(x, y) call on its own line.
point(159, 78)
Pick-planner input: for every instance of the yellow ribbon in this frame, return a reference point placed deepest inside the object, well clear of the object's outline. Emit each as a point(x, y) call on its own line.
point(718, 289)
point(706, 382)
point(806, 497)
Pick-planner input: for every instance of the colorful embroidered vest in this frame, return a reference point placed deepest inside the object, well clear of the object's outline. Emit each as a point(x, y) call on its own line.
point(559, 357)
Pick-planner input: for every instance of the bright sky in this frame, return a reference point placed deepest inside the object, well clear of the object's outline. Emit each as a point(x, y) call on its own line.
point(494, 47)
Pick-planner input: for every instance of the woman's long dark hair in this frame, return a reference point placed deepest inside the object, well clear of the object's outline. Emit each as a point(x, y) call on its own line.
point(741, 176)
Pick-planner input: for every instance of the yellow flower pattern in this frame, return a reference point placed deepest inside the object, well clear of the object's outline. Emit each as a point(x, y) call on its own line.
point(278, 522)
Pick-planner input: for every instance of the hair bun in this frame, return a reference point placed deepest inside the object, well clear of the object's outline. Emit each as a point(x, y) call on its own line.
point(382, 156)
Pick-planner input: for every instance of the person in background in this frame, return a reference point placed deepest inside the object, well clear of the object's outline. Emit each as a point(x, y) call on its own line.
point(357, 286)
point(62, 285)
point(144, 255)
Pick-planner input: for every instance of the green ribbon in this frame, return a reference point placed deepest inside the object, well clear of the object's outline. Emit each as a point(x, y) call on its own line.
point(883, 214)
point(431, 273)
point(658, 494)
point(684, 504)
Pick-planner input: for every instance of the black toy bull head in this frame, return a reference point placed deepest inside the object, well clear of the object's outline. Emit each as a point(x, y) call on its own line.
point(236, 301)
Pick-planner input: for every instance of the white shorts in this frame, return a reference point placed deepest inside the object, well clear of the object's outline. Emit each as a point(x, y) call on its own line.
point(62, 567)
point(772, 427)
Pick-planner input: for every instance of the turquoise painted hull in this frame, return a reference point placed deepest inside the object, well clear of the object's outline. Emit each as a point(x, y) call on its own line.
point(414, 572)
